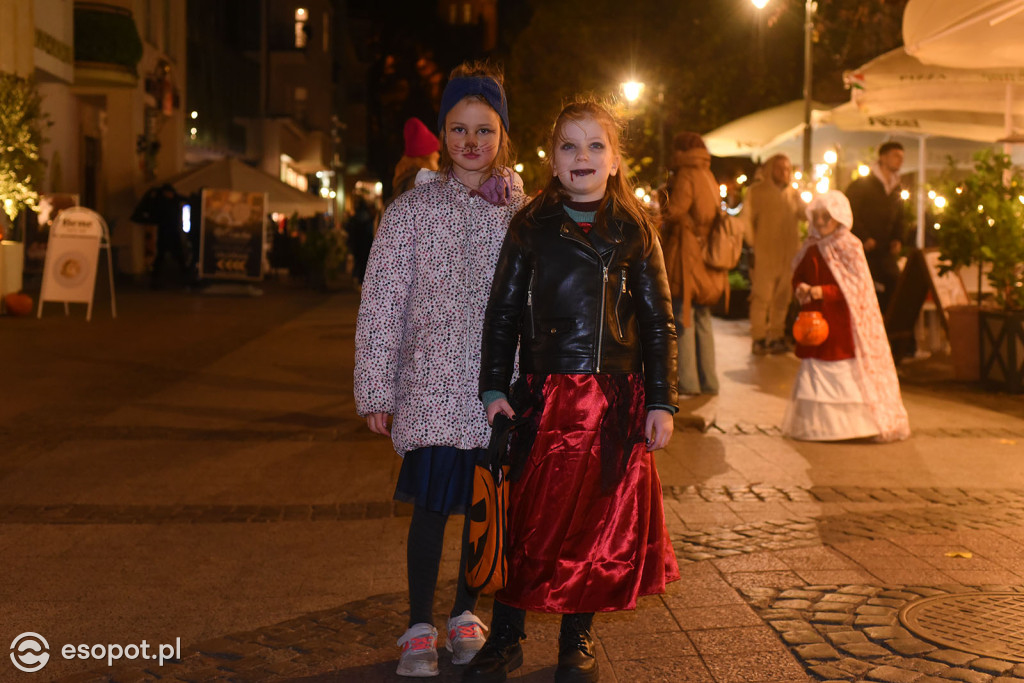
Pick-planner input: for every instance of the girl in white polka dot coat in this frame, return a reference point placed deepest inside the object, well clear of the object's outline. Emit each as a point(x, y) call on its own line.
point(418, 340)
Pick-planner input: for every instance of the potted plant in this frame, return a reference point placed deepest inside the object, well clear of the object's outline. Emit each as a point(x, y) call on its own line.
point(982, 223)
point(21, 171)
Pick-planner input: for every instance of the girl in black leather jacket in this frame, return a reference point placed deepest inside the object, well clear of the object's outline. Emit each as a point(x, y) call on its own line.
point(581, 289)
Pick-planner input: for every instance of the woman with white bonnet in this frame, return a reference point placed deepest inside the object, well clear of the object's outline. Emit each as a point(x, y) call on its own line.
point(847, 386)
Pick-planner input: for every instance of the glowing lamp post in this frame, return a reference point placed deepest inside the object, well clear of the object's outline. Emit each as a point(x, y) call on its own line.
point(809, 8)
point(632, 90)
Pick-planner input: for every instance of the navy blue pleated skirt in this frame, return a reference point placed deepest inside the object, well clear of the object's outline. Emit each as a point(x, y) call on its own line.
point(438, 478)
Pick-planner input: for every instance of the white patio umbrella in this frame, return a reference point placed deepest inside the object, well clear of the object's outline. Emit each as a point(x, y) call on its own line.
point(982, 34)
point(749, 135)
point(959, 102)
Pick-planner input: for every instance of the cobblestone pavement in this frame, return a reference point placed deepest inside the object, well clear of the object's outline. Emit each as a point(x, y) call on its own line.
point(237, 447)
point(838, 632)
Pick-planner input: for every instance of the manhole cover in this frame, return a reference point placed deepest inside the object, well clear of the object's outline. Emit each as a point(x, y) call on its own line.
point(988, 624)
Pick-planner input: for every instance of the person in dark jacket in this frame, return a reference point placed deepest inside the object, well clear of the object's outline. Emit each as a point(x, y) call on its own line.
point(878, 218)
point(581, 289)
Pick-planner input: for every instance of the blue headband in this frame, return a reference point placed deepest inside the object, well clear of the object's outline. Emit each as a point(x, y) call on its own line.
point(459, 88)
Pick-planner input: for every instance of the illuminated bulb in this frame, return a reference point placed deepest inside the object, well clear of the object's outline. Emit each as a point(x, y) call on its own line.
point(639, 192)
point(905, 195)
point(378, 187)
point(325, 192)
point(723, 191)
point(831, 157)
point(519, 168)
point(193, 131)
point(940, 202)
point(822, 186)
point(760, 4)
point(959, 190)
point(742, 179)
point(647, 199)
point(632, 90)
point(798, 175)
point(807, 196)
point(796, 185)
point(936, 226)
point(541, 153)
point(864, 170)
point(194, 114)
point(333, 194)
point(931, 194)
point(981, 209)
point(991, 222)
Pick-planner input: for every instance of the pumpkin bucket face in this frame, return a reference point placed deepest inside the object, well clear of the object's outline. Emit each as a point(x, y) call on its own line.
point(810, 328)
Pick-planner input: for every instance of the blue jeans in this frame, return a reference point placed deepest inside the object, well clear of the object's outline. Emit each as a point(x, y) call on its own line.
point(697, 373)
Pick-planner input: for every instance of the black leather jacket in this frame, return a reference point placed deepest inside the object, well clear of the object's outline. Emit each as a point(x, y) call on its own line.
point(579, 303)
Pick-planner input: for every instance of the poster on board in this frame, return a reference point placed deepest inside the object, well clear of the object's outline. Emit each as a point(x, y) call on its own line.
point(232, 235)
point(72, 254)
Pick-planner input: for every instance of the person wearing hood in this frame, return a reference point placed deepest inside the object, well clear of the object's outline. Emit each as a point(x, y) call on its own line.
point(422, 151)
point(878, 215)
point(847, 386)
point(690, 208)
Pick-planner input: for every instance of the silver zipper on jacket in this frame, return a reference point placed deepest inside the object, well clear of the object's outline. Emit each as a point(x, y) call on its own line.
point(604, 291)
point(618, 301)
point(529, 305)
point(600, 315)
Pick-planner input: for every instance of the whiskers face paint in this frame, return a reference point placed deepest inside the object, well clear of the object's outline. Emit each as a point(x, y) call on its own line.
point(472, 137)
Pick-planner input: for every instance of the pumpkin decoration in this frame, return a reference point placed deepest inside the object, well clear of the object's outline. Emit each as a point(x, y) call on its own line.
point(810, 328)
point(18, 303)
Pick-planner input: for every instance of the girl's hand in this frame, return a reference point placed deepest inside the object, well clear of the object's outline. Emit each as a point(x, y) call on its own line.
point(499, 406)
point(378, 423)
point(802, 293)
point(658, 428)
point(816, 293)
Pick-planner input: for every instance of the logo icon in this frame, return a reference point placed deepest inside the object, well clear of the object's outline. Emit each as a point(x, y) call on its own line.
point(30, 652)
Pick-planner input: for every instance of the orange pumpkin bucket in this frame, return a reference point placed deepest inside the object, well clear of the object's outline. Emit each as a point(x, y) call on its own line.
point(810, 328)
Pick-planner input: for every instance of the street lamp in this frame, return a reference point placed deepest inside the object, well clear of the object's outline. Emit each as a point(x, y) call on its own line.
point(810, 6)
point(632, 90)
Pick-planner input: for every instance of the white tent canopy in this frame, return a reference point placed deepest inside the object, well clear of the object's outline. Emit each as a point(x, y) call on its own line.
point(981, 34)
point(232, 174)
point(895, 83)
point(749, 135)
point(855, 136)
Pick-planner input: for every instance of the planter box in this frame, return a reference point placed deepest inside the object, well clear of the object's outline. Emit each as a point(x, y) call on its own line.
point(964, 335)
point(12, 266)
point(1002, 349)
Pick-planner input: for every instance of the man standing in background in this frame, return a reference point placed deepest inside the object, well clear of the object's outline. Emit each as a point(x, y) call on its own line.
point(878, 218)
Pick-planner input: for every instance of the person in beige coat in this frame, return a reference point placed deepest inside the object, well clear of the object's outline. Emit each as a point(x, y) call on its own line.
point(772, 210)
point(687, 215)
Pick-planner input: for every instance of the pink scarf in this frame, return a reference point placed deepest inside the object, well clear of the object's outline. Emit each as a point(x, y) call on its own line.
point(844, 255)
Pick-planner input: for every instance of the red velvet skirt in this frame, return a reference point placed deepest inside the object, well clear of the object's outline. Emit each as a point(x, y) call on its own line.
point(586, 520)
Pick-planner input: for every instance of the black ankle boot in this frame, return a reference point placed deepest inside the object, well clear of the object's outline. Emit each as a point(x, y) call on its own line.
point(577, 660)
point(501, 654)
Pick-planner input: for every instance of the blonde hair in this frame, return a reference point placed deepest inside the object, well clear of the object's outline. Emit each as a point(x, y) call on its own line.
point(619, 192)
point(506, 153)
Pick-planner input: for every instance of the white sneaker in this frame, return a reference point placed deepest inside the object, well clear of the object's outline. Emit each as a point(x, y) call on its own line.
point(465, 637)
point(419, 652)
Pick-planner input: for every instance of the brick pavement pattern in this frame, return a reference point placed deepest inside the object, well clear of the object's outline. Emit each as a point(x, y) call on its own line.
point(195, 470)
